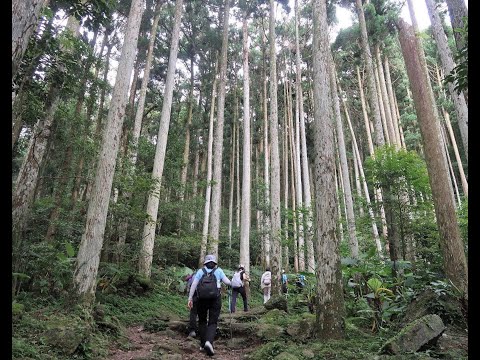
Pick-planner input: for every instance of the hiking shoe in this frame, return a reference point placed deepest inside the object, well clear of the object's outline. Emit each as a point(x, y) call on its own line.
point(192, 333)
point(208, 348)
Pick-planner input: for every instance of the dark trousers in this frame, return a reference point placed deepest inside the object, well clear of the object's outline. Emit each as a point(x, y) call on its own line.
point(192, 324)
point(235, 292)
point(210, 308)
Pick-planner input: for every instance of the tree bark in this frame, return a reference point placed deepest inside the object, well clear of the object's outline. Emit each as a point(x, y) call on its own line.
point(88, 256)
point(208, 190)
point(25, 14)
point(391, 97)
point(148, 238)
point(353, 241)
point(275, 220)
point(330, 312)
point(356, 153)
point(374, 105)
point(218, 150)
point(457, 11)
point(386, 101)
point(246, 188)
point(455, 264)
point(448, 65)
point(266, 155)
point(195, 184)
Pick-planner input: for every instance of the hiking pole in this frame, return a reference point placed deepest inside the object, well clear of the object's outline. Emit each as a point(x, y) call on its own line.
point(230, 310)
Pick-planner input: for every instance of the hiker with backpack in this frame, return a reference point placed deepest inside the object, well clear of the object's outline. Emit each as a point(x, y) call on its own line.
point(207, 283)
point(238, 287)
point(266, 284)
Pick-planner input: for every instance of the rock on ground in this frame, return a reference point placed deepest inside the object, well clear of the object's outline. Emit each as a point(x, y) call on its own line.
point(416, 334)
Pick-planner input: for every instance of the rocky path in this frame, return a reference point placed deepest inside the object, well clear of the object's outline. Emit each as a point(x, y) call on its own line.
point(171, 345)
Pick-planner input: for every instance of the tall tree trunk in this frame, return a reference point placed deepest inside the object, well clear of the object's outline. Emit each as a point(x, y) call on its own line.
point(458, 11)
point(295, 234)
point(186, 148)
point(237, 159)
point(208, 190)
point(285, 148)
point(275, 220)
point(330, 323)
point(245, 211)
point(385, 98)
point(391, 97)
point(343, 163)
point(25, 14)
point(448, 65)
point(357, 185)
point(88, 256)
point(455, 264)
point(148, 238)
point(67, 160)
point(340, 223)
point(402, 138)
point(452, 173)
point(289, 150)
point(266, 155)
point(364, 112)
point(379, 138)
point(232, 185)
point(27, 178)
point(195, 184)
point(218, 150)
point(137, 126)
point(356, 153)
point(455, 151)
point(386, 128)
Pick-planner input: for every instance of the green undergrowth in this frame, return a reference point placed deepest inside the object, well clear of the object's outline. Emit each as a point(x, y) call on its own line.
point(132, 310)
point(358, 344)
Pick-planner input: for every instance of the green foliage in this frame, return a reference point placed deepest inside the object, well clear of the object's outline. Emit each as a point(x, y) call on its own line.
point(267, 351)
point(138, 309)
point(459, 74)
point(48, 268)
point(398, 169)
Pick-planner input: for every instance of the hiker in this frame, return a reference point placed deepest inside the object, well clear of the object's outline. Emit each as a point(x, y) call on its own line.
point(266, 284)
point(207, 283)
point(192, 324)
point(284, 282)
point(300, 282)
point(238, 287)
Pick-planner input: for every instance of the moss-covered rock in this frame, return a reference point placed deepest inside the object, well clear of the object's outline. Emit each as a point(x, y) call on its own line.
point(276, 316)
point(308, 354)
point(155, 325)
point(286, 356)
point(17, 310)
point(269, 332)
point(303, 329)
point(277, 302)
point(415, 335)
point(66, 333)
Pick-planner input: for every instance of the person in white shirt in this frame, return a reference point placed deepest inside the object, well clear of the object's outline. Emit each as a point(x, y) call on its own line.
point(266, 284)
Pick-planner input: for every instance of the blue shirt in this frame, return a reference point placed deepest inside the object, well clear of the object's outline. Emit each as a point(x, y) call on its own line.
point(219, 274)
point(284, 278)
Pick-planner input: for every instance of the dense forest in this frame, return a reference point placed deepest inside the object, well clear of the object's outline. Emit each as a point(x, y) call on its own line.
point(147, 134)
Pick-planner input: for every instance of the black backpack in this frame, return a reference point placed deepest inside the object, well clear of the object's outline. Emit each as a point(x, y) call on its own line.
point(207, 286)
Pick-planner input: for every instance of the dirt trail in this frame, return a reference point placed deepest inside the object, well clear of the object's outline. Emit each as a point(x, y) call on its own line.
point(143, 345)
